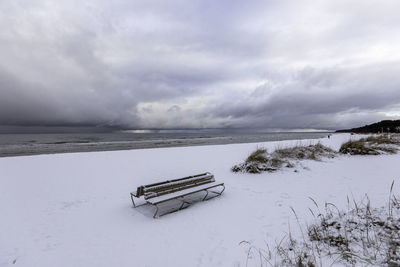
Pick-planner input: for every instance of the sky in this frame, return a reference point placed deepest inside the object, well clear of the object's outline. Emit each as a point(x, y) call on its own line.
point(199, 64)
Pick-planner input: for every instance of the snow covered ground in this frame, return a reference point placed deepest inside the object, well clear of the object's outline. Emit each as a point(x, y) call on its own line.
point(74, 209)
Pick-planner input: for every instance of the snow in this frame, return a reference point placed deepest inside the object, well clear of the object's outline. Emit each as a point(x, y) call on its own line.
point(75, 209)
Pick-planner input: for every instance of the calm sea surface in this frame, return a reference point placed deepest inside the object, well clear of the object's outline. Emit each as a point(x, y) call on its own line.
point(32, 144)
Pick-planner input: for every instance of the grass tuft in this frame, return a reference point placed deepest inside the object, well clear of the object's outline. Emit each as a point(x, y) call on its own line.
point(311, 152)
point(357, 148)
point(260, 155)
point(261, 161)
point(372, 145)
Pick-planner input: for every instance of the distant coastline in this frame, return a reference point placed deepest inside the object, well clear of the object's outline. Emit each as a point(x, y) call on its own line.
point(385, 126)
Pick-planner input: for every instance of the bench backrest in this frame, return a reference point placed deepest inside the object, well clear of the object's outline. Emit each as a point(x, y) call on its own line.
point(167, 187)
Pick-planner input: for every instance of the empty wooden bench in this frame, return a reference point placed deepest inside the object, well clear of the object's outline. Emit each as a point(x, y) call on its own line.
point(177, 189)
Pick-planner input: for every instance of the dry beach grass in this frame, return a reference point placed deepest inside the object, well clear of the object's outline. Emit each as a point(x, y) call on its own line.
point(261, 161)
point(362, 235)
point(372, 145)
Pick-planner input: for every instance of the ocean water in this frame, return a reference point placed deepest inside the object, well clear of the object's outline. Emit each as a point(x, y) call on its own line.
point(33, 144)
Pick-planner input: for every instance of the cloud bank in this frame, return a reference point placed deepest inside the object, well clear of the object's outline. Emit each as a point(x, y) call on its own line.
point(199, 64)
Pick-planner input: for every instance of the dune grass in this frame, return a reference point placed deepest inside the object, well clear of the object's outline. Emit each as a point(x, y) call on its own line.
point(260, 155)
point(312, 152)
point(362, 235)
point(260, 160)
point(372, 145)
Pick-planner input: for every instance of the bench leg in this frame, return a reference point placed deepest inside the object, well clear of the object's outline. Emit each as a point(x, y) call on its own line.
point(205, 196)
point(180, 208)
point(133, 202)
point(183, 204)
point(216, 193)
point(155, 214)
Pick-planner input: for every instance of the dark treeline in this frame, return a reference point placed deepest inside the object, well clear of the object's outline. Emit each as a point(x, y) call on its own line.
point(378, 127)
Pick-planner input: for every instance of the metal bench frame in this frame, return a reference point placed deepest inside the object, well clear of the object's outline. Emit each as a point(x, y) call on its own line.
point(173, 187)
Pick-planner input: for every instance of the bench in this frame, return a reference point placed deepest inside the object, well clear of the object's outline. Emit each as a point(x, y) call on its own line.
point(177, 189)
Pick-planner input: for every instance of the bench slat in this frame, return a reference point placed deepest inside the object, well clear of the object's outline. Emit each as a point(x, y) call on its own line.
point(182, 193)
point(142, 189)
point(151, 194)
point(179, 179)
point(177, 183)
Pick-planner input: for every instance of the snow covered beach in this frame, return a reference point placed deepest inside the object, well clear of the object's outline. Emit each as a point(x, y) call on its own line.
point(74, 209)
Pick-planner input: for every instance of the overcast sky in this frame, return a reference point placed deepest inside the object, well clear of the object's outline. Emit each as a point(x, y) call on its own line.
point(199, 63)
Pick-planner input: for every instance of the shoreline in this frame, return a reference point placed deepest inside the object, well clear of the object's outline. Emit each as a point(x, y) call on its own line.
point(79, 147)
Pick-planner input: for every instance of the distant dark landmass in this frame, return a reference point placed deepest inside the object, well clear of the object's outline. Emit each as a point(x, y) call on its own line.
point(382, 126)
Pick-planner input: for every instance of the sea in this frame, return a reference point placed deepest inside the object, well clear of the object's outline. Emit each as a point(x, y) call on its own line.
point(33, 144)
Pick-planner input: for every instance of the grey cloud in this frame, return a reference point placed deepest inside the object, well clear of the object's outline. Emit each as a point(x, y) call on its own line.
point(138, 64)
point(319, 94)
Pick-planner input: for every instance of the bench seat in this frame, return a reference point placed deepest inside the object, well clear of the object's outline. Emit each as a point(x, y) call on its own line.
point(163, 198)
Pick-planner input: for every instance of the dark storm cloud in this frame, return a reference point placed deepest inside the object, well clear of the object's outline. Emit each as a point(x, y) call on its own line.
point(319, 98)
point(140, 64)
